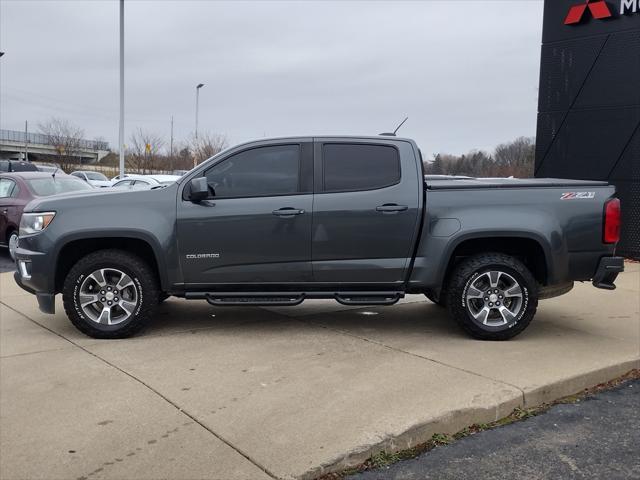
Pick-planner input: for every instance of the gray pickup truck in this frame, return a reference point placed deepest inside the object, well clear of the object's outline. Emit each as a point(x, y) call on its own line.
point(275, 222)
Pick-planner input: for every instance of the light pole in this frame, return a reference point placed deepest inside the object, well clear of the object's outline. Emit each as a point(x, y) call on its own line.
point(198, 87)
point(121, 129)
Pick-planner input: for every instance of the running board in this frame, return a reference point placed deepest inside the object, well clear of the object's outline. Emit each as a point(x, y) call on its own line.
point(294, 298)
point(236, 299)
point(365, 298)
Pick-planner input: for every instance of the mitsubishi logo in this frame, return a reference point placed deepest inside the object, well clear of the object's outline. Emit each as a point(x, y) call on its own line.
point(598, 10)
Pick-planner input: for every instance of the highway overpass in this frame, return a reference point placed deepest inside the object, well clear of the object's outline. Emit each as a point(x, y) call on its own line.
point(43, 147)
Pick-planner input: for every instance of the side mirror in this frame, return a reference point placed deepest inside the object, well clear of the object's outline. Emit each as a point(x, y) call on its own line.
point(199, 189)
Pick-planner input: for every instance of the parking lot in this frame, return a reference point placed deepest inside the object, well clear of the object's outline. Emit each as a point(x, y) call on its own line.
point(6, 264)
point(282, 392)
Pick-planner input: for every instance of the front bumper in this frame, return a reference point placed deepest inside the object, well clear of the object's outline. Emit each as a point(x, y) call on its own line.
point(46, 301)
point(607, 272)
point(36, 274)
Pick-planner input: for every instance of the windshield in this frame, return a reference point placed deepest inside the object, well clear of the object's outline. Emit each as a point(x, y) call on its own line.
point(96, 176)
point(43, 187)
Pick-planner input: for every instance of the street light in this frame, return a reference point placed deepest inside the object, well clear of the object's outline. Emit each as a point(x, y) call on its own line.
point(198, 87)
point(121, 121)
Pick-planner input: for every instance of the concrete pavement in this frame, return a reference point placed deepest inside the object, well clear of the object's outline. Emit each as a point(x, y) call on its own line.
point(282, 392)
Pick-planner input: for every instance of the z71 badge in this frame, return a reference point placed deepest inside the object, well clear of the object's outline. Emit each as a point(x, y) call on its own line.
point(577, 195)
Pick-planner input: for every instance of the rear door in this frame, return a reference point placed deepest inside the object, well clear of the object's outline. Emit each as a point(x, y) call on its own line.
point(366, 210)
point(8, 205)
point(256, 226)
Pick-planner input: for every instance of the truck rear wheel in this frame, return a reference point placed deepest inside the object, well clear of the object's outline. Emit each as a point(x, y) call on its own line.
point(492, 296)
point(110, 294)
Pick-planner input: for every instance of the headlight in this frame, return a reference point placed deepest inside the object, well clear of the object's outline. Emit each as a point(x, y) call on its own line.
point(35, 222)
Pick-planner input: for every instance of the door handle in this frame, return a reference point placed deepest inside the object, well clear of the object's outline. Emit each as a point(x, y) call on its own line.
point(287, 212)
point(5, 211)
point(391, 207)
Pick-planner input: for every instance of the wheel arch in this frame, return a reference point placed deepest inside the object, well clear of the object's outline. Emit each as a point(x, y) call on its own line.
point(9, 230)
point(530, 247)
point(77, 246)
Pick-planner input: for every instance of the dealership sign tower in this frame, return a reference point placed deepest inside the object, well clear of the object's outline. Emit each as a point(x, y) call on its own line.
point(589, 103)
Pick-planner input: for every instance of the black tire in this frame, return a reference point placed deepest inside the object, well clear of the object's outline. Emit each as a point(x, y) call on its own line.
point(443, 299)
point(470, 273)
point(144, 285)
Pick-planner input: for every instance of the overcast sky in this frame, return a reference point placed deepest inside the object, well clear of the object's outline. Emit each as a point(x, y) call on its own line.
point(465, 71)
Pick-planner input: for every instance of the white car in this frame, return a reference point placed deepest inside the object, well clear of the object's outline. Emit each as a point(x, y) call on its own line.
point(144, 181)
point(95, 179)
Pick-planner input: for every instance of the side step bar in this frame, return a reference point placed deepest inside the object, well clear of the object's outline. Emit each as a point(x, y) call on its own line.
point(294, 298)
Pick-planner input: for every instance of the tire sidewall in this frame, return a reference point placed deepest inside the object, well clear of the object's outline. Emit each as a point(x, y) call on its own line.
point(468, 271)
point(82, 315)
point(12, 254)
point(145, 284)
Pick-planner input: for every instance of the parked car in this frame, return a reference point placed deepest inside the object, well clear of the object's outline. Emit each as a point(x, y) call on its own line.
point(95, 179)
point(145, 181)
point(276, 222)
point(49, 167)
point(19, 188)
point(17, 166)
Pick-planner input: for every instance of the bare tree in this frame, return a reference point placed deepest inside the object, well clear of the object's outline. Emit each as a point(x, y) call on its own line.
point(143, 152)
point(66, 139)
point(514, 158)
point(206, 146)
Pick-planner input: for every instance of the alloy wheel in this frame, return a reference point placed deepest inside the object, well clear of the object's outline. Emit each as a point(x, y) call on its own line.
point(494, 299)
point(108, 296)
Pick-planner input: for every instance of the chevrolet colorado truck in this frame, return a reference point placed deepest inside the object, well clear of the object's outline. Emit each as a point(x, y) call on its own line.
point(279, 221)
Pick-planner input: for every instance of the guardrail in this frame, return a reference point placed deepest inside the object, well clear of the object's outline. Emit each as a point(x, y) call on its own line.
point(42, 139)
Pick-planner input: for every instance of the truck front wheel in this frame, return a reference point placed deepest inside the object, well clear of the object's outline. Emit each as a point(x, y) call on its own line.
point(492, 296)
point(110, 294)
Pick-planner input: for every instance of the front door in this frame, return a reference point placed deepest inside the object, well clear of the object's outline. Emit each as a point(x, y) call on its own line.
point(366, 211)
point(255, 228)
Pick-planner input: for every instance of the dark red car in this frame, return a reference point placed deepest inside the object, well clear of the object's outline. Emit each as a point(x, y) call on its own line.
point(19, 188)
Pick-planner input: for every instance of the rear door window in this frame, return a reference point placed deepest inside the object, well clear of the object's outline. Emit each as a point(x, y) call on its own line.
point(351, 167)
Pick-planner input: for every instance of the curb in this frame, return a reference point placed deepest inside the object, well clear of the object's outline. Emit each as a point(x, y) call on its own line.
point(460, 419)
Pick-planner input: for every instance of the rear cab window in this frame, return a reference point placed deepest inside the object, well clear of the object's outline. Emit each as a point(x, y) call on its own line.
point(348, 167)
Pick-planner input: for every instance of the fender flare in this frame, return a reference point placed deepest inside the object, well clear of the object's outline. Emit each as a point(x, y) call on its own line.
point(529, 235)
point(124, 234)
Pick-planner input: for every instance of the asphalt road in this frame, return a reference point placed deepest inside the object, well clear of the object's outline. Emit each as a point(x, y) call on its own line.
point(6, 264)
point(596, 438)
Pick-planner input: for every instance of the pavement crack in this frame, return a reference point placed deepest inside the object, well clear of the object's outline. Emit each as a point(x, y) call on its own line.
point(156, 392)
point(422, 357)
point(32, 353)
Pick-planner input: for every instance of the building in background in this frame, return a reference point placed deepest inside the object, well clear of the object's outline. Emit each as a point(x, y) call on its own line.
point(589, 102)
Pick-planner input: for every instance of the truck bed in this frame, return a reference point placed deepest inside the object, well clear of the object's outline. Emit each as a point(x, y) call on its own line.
point(443, 182)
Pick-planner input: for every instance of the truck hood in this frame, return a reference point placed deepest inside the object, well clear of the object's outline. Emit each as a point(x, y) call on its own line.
point(96, 198)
